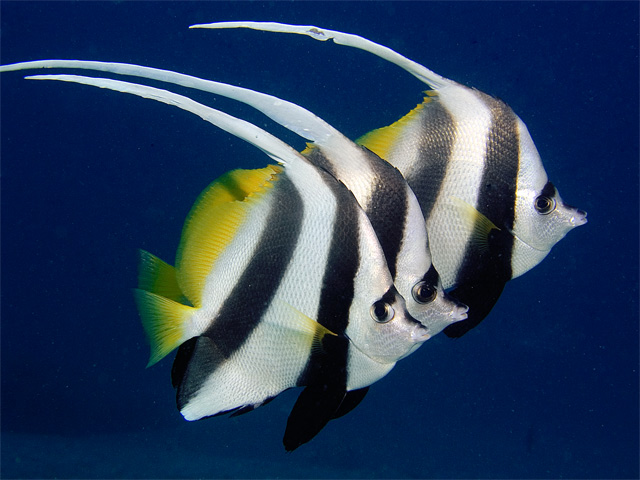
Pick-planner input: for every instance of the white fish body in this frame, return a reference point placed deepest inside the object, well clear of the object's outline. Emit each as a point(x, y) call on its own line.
point(280, 278)
point(380, 189)
point(491, 212)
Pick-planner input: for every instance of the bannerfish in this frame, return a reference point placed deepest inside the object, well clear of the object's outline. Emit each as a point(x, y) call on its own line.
point(491, 212)
point(285, 281)
point(381, 191)
point(379, 187)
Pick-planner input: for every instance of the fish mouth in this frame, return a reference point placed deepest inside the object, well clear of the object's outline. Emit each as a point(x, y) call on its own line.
point(578, 218)
point(460, 312)
point(420, 334)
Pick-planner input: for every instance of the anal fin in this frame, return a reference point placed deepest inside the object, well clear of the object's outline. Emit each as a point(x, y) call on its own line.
point(351, 400)
point(194, 362)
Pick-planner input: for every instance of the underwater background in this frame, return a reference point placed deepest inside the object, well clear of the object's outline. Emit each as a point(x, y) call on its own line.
point(545, 387)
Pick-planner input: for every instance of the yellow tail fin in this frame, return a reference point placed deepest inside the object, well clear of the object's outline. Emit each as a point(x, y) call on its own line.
point(164, 322)
point(157, 276)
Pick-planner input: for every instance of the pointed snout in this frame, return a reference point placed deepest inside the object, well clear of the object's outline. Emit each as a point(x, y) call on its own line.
point(579, 217)
point(460, 312)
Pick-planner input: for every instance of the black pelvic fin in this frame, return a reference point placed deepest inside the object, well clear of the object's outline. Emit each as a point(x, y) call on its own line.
point(480, 298)
point(316, 405)
point(351, 400)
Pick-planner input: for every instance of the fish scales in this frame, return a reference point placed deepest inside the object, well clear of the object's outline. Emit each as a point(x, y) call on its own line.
point(372, 180)
point(484, 228)
point(243, 366)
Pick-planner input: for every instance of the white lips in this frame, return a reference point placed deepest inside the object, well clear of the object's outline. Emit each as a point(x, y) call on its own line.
point(459, 313)
point(420, 334)
point(580, 218)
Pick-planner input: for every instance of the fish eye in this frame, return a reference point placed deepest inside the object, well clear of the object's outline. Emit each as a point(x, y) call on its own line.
point(545, 205)
point(424, 293)
point(382, 312)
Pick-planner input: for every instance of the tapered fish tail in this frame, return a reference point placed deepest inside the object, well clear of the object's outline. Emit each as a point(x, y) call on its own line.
point(165, 322)
point(157, 276)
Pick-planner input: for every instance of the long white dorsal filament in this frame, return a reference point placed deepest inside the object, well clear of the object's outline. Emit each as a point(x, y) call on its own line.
point(291, 116)
point(421, 72)
point(272, 146)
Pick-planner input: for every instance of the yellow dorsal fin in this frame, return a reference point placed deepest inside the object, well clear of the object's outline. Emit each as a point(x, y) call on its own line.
point(212, 224)
point(164, 322)
point(157, 276)
point(479, 224)
point(381, 140)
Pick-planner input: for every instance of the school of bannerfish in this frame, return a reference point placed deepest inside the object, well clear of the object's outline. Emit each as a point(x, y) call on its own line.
point(323, 270)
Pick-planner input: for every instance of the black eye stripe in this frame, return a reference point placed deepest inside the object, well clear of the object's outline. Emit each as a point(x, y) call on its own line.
point(549, 190)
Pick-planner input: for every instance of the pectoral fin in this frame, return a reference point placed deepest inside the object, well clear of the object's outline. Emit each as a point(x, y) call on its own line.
point(479, 225)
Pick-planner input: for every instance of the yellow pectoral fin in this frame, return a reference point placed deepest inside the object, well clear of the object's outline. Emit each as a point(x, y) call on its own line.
point(164, 322)
point(381, 140)
point(213, 222)
point(157, 276)
point(296, 325)
point(479, 224)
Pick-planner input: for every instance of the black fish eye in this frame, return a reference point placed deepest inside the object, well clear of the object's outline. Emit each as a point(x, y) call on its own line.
point(545, 205)
point(424, 293)
point(382, 312)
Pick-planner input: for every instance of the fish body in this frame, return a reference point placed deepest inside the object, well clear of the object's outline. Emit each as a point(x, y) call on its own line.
point(379, 187)
point(280, 281)
point(491, 212)
point(250, 334)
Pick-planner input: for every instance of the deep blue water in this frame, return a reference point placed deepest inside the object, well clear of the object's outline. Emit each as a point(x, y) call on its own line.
point(546, 387)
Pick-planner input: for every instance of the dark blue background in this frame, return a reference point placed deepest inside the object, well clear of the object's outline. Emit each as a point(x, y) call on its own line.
point(547, 386)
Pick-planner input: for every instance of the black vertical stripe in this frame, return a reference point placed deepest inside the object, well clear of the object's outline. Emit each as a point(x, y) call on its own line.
point(243, 309)
point(329, 366)
point(343, 261)
point(387, 206)
point(496, 192)
point(483, 273)
point(250, 298)
point(435, 147)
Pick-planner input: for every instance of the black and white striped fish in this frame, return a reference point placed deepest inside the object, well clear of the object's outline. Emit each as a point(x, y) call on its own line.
point(285, 280)
point(381, 191)
point(380, 188)
point(491, 212)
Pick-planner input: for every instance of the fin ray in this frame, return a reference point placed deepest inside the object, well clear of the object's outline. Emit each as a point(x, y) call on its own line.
point(157, 276)
point(478, 223)
point(164, 322)
point(213, 222)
